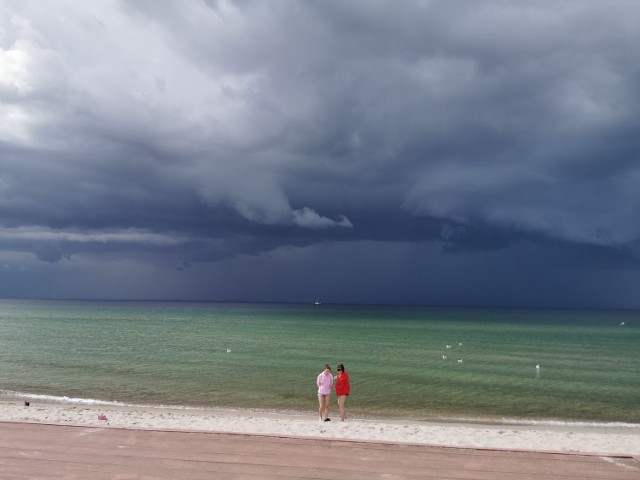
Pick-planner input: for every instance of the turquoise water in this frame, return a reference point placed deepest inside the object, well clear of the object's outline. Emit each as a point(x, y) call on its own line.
point(158, 353)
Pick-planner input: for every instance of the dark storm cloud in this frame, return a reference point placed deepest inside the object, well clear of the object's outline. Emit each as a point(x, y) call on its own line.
point(205, 130)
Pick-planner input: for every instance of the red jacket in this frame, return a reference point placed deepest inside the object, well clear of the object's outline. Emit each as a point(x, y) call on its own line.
point(342, 384)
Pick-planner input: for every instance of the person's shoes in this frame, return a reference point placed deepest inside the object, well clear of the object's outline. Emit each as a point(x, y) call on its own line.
point(327, 419)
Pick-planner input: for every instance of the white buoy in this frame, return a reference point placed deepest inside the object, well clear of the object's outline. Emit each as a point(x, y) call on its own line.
point(460, 344)
point(460, 361)
point(447, 346)
point(228, 350)
point(537, 367)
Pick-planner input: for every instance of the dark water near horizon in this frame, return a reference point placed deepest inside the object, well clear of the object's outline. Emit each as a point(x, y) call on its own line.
point(267, 356)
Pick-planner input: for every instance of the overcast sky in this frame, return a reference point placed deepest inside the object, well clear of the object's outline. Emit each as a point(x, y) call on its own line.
point(424, 152)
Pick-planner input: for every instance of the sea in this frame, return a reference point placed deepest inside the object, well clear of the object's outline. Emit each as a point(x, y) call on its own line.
point(411, 362)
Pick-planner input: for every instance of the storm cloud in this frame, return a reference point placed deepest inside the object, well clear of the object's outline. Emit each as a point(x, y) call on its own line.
point(263, 150)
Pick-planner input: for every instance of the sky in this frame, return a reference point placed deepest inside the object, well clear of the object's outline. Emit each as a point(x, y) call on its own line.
point(419, 152)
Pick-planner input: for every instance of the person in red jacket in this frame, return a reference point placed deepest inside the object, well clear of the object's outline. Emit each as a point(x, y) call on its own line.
point(342, 390)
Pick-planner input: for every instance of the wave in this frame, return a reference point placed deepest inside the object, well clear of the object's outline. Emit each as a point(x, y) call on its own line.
point(63, 399)
point(543, 422)
point(10, 394)
point(572, 423)
point(59, 399)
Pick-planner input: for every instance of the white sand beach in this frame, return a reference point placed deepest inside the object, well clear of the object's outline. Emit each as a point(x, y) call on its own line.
point(565, 438)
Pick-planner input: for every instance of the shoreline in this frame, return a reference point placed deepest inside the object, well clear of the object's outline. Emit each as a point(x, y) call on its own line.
point(622, 440)
point(44, 399)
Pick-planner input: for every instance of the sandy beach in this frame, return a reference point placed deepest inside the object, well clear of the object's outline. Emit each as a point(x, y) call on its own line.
point(565, 438)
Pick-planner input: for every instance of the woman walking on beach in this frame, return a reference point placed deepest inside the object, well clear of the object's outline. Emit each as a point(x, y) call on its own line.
point(342, 390)
point(325, 384)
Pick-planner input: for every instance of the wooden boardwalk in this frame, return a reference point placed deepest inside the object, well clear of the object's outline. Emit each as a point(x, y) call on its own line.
point(36, 451)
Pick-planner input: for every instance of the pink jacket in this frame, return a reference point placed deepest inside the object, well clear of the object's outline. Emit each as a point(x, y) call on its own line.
point(324, 382)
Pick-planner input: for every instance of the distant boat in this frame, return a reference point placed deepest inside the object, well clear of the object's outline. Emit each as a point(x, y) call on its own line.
point(316, 303)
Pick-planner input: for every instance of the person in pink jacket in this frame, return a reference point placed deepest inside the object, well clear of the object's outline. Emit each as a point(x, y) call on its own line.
point(325, 384)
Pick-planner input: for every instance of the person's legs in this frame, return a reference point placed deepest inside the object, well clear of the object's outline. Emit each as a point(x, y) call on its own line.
point(321, 405)
point(327, 404)
point(343, 413)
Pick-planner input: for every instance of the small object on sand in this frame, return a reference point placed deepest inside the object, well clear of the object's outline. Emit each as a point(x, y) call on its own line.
point(102, 417)
point(327, 419)
point(26, 404)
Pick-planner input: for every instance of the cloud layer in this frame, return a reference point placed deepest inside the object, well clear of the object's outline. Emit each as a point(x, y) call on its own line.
point(203, 131)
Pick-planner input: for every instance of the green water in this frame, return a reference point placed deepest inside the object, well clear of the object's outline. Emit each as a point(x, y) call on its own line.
point(176, 354)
